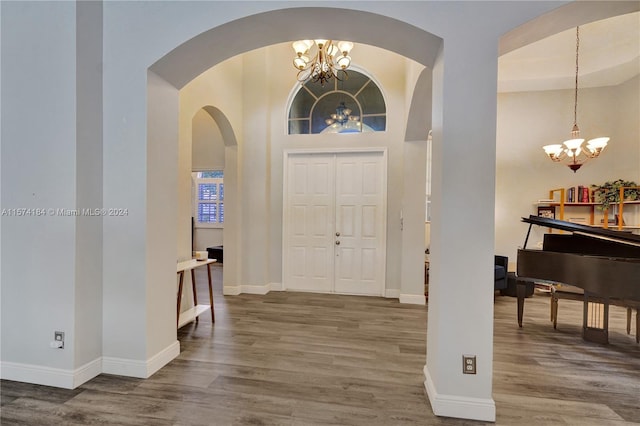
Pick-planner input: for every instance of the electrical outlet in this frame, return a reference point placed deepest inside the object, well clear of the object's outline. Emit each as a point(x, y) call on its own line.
point(468, 364)
point(58, 340)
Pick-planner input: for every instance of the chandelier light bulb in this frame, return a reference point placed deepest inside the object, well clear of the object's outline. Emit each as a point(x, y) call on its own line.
point(598, 142)
point(344, 62)
point(300, 47)
point(554, 151)
point(345, 47)
point(300, 62)
point(573, 144)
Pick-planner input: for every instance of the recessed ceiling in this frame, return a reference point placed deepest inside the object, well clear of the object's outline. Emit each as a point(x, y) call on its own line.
point(609, 55)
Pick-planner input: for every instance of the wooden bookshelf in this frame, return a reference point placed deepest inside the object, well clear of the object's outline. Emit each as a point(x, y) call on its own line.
point(557, 200)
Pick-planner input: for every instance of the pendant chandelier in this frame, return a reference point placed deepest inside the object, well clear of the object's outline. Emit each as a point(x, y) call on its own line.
point(574, 149)
point(341, 116)
point(320, 60)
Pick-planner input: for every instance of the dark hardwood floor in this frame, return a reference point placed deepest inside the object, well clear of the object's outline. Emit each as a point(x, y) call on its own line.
point(309, 359)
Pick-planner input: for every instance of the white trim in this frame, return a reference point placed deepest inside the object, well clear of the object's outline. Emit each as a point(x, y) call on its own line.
point(251, 289)
point(124, 367)
point(87, 372)
point(163, 358)
point(48, 376)
point(276, 286)
point(462, 407)
point(335, 151)
point(392, 293)
point(294, 151)
point(255, 289)
point(141, 369)
point(205, 225)
point(413, 299)
point(231, 290)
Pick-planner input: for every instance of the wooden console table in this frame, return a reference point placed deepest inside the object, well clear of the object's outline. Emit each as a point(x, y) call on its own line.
point(193, 313)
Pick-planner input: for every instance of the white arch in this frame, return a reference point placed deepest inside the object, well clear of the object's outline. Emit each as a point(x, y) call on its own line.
point(186, 61)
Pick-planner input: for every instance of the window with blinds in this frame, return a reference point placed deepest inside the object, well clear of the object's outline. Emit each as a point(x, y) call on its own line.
point(209, 199)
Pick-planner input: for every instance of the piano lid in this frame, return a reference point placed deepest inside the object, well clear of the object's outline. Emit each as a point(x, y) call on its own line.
point(585, 230)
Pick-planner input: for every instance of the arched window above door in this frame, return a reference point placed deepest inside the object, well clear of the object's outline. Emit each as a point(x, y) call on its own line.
point(352, 104)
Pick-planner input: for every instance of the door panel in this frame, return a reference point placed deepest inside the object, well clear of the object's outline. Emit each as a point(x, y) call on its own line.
point(335, 223)
point(360, 256)
point(309, 217)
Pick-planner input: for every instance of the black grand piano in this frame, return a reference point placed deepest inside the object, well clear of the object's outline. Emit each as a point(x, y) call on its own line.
point(604, 263)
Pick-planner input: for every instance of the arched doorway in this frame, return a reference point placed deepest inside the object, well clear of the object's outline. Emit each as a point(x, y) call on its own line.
point(175, 71)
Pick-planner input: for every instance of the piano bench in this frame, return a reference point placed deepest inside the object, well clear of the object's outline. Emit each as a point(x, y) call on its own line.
point(570, 292)
point(561, 291)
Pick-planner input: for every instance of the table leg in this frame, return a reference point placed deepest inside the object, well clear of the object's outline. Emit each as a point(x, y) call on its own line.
point(181, 274)
point(193, 289)
point(213, 318)
point(521, 289)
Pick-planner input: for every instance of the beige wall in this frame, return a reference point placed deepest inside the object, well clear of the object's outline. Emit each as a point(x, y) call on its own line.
point(207, 154)
point(216, 86)
point(529, 120)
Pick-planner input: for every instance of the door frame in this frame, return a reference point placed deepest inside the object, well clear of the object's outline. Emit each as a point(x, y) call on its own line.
point(285, 198)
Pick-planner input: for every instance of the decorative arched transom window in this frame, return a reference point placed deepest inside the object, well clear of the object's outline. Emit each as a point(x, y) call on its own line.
point(352, 104)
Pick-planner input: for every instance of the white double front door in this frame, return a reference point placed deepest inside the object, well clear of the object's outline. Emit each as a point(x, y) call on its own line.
point(335, 222)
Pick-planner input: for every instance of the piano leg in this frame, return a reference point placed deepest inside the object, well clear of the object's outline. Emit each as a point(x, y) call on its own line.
point(522, 288)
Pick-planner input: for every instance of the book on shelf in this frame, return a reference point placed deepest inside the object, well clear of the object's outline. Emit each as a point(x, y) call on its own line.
point(578, 194)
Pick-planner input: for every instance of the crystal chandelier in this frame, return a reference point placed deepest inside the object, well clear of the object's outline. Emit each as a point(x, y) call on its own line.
point(320, 60)
point(573, 149)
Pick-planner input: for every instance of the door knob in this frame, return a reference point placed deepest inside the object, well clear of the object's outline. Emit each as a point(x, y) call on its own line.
point(337, 234)
point(337, 243)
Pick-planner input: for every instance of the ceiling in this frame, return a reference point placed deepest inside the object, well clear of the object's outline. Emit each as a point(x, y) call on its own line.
point(609, 55)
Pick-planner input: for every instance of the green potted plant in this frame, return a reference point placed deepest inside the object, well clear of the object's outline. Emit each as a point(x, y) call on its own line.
point(608, 193)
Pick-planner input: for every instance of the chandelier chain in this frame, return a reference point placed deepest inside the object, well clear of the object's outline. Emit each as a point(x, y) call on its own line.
point(574, 149)
point(575, 103)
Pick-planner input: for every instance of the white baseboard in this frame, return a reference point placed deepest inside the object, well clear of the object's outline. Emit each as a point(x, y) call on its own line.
point(276, 287)
point(251, 289)
point(47, 376)
point(141, 369)
point(462, 407)
point(413, 299)
point(87, 372)
point(392, 293)
point(255, 289)
point(163, 358)
point(231, 290)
